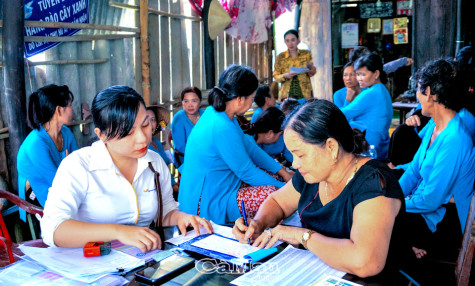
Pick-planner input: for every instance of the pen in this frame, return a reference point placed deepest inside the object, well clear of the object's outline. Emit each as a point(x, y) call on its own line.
point(244, 217)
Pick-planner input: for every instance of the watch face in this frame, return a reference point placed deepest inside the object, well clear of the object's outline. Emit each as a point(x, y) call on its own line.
point(306, 236)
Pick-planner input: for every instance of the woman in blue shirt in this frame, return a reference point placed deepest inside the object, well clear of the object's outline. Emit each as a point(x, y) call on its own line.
point(267, 132)
point(220, 158)
point(344, 96)
point(159, 123)
point(372, 109)
point(264, 99)
point(185, 119)
point(49, 109)
point(444, 165)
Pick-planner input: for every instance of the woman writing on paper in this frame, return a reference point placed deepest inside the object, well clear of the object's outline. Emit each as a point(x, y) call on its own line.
point(107, 191)
point(347, 203)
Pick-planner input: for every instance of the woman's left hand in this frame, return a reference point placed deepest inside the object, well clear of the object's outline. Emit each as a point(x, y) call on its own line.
point(289, 234)
point(187, 220)
point(311, 69)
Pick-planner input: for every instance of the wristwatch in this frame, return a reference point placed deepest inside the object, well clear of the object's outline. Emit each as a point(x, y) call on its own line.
point(305, 237)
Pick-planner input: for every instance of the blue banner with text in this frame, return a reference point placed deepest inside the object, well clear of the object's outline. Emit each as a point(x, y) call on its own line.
point(71, 11)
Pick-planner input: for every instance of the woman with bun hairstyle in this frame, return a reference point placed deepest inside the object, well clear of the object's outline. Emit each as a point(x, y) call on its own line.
point(49, 142)
point(347, 203)
point(222, 165)
point(372, 109)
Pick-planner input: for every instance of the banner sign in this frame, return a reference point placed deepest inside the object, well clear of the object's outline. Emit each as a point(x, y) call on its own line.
point(376, 10)
point(71, 11)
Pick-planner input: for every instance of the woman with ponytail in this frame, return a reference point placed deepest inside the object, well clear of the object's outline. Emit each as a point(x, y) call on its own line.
point(347, 203)
point(372, 109)
point(223, 166)
point(49, 109)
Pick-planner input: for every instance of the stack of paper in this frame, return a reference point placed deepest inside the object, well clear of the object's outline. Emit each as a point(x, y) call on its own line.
point(290, 267)
point(71, 263)
point(29, 273)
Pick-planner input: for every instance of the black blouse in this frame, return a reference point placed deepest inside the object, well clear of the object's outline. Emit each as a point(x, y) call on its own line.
point(336, 217)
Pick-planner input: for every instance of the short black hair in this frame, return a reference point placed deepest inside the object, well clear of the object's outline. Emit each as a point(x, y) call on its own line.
point(235, 81)
point(114, 110)
point(288, 105)
point(190, 89)
point(270, 119)
point(441, 76)
point(43, 102)
point(262, 92)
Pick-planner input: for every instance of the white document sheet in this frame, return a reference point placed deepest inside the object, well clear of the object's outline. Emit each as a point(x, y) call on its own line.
point(225, 231)
point(29, 273)
point(298, 70)
point(219, 229)
point(224, 245)
point(71, 263)
point(290, 267)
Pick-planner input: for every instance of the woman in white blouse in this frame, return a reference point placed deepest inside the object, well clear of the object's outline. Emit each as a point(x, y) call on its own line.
point(106, 191)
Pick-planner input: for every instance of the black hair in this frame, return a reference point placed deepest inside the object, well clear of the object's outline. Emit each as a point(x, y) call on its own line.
point(466, 77)
point(235, 81)
point(293, 32)
point(270, 119)
point(262, 92)
point(114, 110)
point(288, 105)
point(358, 52)
point(192, 89)
point(465, 56)
point(349, 64)
point(317, 120)
point(441, 76)
point(373, 63)
point(43, 102)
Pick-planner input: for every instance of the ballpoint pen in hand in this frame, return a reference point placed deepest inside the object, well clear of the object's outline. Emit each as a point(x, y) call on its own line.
point(244, 217)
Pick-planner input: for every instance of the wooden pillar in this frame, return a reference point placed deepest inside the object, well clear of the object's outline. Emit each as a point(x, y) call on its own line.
point(434, 38)
point(316, 33)
point(14, 80)
point(269, 49)
point(208, 47)
point(145, 52)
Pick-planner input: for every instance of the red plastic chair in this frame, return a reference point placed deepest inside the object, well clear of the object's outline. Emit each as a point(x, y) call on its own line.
point(6, 256)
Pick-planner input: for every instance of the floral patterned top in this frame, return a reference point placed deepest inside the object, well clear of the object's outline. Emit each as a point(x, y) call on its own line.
point(283, 63)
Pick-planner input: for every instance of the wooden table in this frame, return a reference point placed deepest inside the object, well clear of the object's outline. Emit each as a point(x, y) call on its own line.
point(404, 108)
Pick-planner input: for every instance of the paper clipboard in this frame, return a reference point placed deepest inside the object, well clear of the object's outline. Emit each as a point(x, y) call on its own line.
point(243, 262)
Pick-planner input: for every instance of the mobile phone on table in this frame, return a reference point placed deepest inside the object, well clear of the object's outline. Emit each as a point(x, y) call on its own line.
point(165, 270)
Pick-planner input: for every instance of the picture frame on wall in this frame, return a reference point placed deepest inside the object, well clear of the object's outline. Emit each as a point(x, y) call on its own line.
point(374, 25)
point(388, 27)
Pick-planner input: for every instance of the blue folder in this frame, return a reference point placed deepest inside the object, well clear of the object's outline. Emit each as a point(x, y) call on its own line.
point(240, 261)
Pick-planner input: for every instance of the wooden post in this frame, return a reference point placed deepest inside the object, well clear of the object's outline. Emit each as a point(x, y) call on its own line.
point(208, 49)
point(269, 49)
point(316, 14)
point(145, 51)
point(14, 80)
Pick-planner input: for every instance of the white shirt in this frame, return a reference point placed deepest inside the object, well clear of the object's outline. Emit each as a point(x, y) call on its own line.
point(88, 187)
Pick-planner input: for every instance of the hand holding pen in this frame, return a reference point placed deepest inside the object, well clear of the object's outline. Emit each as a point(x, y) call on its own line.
point(244, 217)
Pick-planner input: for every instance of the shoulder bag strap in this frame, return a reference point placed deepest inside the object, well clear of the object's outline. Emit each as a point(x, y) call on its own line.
point(159, 194)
